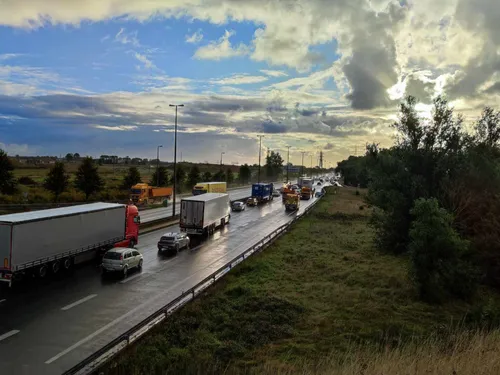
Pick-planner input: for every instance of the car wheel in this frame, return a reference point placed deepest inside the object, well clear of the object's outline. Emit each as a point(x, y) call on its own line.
point(139, 266)
point(125, 271)
point(176, 250)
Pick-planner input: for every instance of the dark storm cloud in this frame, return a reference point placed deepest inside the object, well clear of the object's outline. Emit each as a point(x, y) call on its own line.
point(371, 69)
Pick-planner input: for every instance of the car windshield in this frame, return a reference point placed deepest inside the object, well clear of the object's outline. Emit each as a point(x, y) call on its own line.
point(135, 191)
point(112, 255)
point(168, 238)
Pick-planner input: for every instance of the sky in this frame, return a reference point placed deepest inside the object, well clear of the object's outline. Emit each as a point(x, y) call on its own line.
point(98, 76)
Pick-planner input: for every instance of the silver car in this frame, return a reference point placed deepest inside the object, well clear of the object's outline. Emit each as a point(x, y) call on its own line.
point(173, 241)
point(121, 259)
point(238, 206)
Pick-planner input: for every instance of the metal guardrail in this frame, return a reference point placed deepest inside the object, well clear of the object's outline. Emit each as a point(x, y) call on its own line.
point(98, 358)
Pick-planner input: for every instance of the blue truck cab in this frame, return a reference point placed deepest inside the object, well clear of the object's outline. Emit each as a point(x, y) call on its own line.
point(263, 192)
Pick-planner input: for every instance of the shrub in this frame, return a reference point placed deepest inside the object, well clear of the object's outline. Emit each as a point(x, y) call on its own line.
point(25, 180)
point(438, 255)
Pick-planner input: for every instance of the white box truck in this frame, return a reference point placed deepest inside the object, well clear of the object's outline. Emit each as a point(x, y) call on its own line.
point(201, 214)
point(47, 241)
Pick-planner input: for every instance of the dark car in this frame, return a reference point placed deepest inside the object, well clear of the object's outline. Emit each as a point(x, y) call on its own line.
point(173, 242)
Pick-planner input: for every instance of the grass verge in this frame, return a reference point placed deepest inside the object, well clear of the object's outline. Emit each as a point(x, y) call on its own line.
point(319, 296)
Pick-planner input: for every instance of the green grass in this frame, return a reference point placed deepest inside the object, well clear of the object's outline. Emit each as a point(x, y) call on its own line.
point(318, 290)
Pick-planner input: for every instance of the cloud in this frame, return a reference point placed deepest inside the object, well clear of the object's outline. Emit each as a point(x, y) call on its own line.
point(196, 38)
point(274, 73)
point(127, 38)
point(148, 64)
point(221, 49)
point(239, 79)
point(328, 146)
point(7, 56)
point(104, 38)
point(116, 128)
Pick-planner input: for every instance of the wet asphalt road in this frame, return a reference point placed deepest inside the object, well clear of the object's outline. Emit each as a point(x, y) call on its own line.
point(48, 328)
point(161, 213)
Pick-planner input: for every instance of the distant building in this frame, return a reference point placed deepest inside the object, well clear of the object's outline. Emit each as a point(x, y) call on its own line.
point(292, 168)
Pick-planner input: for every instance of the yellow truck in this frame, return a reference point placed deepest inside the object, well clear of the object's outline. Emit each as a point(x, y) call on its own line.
point(209, 187)
point(145, 194)
point(292, 202)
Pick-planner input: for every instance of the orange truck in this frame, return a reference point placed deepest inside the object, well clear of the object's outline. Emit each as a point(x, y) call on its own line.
point(145, 194)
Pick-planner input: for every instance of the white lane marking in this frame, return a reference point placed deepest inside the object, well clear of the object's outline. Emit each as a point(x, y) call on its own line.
point(2, 300)
point(8, 334)
point(196, 248)
point(133, 277)
point(114, 322)
point(80, 301)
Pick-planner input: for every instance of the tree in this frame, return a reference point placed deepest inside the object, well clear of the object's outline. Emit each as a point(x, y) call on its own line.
point(274, 165)
point(69, 157)
point(76, 155)
point(133, 177)
point(7, 181)
point(193, 176)
point(438, 255)
point(87, 178)
point(162, 180)
point(181, 178)
point(57, 180)
point(245, 173)
point(207, 176)
point(229, 176)
point(219, 176)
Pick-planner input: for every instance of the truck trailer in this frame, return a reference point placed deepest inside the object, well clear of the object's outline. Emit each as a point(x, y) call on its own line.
point(145, 194)
point(292, 202)
point(262, 192)
point(201, 214)
point(307, 188)
point(209, 187)
point(47, 241)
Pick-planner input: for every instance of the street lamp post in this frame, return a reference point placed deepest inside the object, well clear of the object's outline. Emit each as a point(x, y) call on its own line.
point(260, 149)
point(303, 152)
point(175, 155)
point(288, 164)
point(311, 166)
point(158, 165)
point(222, 153)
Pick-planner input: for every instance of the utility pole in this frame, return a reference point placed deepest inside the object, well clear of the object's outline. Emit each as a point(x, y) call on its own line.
point(222, 153)
point(175, 156)
point(303, 152)
point(321, 159)
point(158, 165)
point(288, 165)
point(260, 149)
point(311, 166)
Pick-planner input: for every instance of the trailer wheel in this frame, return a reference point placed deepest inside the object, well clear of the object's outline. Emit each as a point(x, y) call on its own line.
point(67, 263)
point(42, 271)
point(55, 266)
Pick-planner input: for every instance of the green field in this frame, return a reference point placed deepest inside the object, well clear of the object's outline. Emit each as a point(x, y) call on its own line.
point(112, 175)
point(313, 295)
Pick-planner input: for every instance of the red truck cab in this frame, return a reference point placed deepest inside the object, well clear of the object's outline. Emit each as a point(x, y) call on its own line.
point(132, 223)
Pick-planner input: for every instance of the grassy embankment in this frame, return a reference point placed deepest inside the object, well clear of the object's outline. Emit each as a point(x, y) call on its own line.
point(319, 300)
point(112, 175)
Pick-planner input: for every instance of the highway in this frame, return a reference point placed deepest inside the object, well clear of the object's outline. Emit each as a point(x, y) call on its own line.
point(49, 327)
point(165, 212)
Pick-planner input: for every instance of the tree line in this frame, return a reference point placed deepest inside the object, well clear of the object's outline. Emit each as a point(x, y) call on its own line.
point(436, 197)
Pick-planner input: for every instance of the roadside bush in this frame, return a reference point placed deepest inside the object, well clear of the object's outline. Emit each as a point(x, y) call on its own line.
point(439, 264)
point(25, 180)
